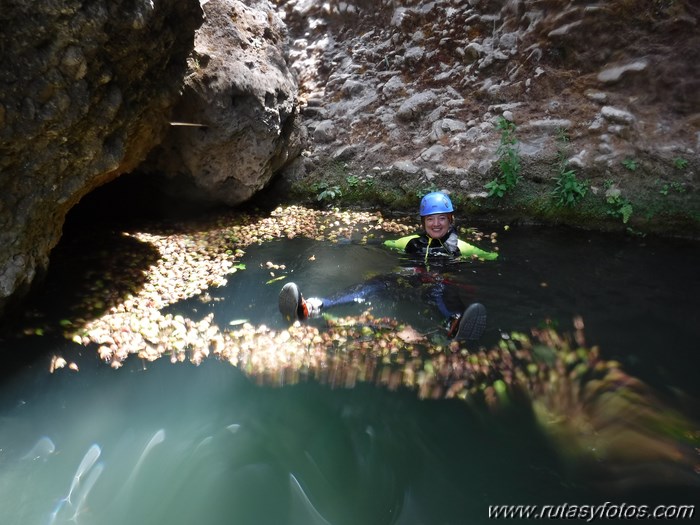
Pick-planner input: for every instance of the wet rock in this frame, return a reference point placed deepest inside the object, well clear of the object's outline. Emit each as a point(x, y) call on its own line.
point(352, 87)
point(508, 41)
point(393, 86)
point(241, 88)
point(549, 125)
point(565, 29)
point(87, 92)
point(346, 152)
point(442, 128)
point(471, 136)
point(414, 54)
point(578, 160)
point(597, 96)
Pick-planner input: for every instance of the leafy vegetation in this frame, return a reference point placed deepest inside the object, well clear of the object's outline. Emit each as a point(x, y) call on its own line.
point(680, 163)
point(630, 164)
point(325, 192)
point(568, 189)
point(422, 192)
point(667, 187)
point(617, 205)
point(509, 161)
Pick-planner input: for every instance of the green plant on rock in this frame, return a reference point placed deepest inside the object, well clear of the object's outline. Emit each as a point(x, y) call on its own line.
point(667, 187)
point(508, 161)
point(358, 189)
point(326, 192)
point(619, 207)
point(568, 189)
point(680, 163)
point(630, 164)
point(422, 192)
point(562, 136)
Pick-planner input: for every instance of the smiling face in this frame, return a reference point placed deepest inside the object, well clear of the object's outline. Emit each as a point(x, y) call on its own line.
point(436, 226)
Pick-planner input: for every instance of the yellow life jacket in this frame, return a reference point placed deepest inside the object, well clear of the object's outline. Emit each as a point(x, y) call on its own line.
point(467, 251)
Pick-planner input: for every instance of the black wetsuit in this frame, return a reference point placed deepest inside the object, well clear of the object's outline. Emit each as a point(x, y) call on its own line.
point(425, 246)
point(421, 250)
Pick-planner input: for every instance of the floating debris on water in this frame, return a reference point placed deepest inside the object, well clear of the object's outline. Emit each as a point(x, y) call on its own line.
point(589, 405)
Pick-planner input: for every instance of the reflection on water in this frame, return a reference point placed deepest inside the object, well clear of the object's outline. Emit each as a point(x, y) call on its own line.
point(429, 433)
point(184, 444)
point(179, 444)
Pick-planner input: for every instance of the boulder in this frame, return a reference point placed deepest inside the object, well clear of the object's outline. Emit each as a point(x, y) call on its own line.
point(241, 92)
point(415, 106)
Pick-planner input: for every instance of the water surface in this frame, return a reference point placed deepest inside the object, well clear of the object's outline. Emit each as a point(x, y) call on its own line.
point(159, 443)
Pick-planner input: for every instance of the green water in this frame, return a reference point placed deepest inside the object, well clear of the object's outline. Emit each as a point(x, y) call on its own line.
point(179, 444)
point(226, 451)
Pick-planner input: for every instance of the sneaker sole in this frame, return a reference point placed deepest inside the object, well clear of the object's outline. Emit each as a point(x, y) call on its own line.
point(473, 323)
point(289, 302)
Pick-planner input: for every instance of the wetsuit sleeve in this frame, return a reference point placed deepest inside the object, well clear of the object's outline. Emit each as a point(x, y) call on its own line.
point(400, 244)
point(469, 250)
point(413, 246)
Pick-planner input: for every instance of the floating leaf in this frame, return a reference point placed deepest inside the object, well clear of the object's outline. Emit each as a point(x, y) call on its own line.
point(410, 335)
point(56, 363)
point(276, 279)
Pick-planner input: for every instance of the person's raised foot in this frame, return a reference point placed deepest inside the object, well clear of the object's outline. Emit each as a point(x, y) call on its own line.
point(470, 325)
point(294, 307)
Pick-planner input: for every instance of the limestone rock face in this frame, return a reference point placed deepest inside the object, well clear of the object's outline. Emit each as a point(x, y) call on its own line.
point(418, 88)
point(241, 91)
point(86, 89)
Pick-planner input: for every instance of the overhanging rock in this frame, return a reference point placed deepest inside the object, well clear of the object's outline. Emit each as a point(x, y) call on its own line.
point(86, 90)
point(243, 94)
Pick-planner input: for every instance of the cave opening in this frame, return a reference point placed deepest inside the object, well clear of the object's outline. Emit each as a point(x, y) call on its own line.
point(135, 198)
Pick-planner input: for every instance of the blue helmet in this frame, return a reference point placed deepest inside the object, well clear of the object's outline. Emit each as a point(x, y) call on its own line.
point(435, 202)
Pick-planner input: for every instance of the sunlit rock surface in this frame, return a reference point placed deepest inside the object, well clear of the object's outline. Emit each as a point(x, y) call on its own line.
point(595, 84)
point(86, 90)
point(242, 93)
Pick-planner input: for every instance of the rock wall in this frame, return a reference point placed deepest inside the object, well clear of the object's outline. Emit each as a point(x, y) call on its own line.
point(407, 94)
point(242, 97)
point(86, 89)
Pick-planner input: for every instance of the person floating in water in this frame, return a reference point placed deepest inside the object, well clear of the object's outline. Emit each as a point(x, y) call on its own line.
point(437, 244)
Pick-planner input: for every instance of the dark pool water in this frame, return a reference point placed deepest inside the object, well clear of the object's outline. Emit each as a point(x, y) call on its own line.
point(638, 297)
point(179, 444)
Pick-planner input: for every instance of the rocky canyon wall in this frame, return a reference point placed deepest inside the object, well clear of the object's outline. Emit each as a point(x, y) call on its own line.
point(87, 88)
point(404, 96)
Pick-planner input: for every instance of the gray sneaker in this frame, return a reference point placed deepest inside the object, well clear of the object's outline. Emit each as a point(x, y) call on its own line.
point(470, 325)
point(294, 307)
